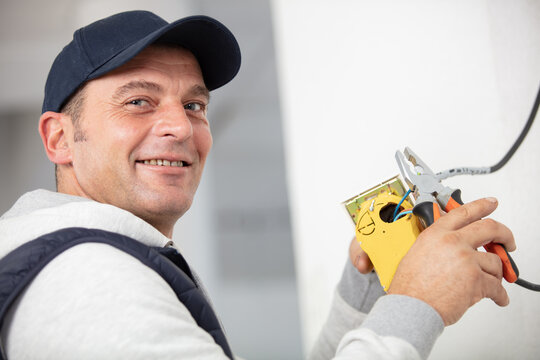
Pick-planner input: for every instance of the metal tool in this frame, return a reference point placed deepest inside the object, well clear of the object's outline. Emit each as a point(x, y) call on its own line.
point(431, 195)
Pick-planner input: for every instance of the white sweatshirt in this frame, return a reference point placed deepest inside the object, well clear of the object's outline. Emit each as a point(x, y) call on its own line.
point(96, 302)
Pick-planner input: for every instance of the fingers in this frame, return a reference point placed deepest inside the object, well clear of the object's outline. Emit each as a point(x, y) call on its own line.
point(491, 278)
point(443, 268)
point(491, 264)
point(493, 289)
point(467, 214)
point(363, 263)
point(359, 258)
point(484, 231)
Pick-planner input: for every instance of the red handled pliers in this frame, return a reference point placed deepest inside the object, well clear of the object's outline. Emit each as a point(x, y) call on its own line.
point(431, 195)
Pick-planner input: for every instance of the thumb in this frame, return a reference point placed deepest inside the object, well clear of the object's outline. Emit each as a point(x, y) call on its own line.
point(359, 258)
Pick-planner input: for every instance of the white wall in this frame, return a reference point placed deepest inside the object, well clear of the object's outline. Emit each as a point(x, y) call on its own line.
point(455, 81)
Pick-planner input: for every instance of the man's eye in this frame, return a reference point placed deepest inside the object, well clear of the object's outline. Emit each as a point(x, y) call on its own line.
point(194, 107)
point(138, 102)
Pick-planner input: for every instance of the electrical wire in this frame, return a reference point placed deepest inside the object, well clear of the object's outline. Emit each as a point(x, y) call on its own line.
point(487, 170)
point(403, 213)
point(399, 204)
point(527, 285)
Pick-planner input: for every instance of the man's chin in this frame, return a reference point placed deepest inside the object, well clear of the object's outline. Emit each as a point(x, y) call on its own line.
point(163, 219)
point(169, 207)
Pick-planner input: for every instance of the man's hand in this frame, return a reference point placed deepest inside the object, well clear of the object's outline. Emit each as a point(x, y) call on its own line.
point(443, 267)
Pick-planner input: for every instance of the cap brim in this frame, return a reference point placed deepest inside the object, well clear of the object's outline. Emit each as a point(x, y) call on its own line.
point(211, 43)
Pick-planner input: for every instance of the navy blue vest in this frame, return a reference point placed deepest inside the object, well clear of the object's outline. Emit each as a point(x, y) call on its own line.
point(19, 267)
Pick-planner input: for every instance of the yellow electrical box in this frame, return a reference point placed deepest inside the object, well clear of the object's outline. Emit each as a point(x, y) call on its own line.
point(384, 240)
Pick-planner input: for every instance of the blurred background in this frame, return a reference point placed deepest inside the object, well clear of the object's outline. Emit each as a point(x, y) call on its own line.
point(327, 92)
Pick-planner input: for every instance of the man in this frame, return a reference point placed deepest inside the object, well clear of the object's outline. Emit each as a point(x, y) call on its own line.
point(124, 120)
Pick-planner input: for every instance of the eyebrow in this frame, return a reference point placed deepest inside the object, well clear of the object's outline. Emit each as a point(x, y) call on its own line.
point(195, 90)
point(198, 90)
point(137, 84)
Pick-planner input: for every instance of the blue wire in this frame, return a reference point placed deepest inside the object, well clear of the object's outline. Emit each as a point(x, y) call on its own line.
point(402, 213)
point(401, 202)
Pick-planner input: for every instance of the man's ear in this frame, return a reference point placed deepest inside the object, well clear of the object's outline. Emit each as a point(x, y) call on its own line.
point(54, 129)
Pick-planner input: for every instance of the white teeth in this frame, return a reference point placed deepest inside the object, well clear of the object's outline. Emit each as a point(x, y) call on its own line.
point(161, 162)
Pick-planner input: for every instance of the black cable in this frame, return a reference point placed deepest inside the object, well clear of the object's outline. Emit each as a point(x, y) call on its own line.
point(519, 140)
point(527, 285)
point(488, 170)
point(472, 171)
point(504, 160)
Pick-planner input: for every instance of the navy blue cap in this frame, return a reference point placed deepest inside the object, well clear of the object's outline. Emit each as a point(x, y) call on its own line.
point(106, 44)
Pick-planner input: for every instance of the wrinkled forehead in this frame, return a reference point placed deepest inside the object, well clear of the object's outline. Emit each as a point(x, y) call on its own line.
point(157, 69)
point(168, 65)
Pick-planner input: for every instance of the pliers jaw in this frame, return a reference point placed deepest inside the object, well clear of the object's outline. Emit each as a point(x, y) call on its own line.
point(422, 182)
point(405, 170)
point(426, 186)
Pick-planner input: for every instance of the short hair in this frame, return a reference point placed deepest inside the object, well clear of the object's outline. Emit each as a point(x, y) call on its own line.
point(73, 107)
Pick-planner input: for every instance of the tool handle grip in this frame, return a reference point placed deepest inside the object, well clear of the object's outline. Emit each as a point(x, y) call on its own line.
point(454, 201)
point(428, 212)
point(510, 270)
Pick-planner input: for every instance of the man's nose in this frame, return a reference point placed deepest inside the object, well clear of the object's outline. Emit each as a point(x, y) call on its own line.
point(174, 122)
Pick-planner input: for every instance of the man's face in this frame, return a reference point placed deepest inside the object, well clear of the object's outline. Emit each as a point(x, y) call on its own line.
point(144, 136)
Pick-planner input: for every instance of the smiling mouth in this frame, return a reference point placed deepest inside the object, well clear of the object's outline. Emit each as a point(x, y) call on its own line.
point(159, 162)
